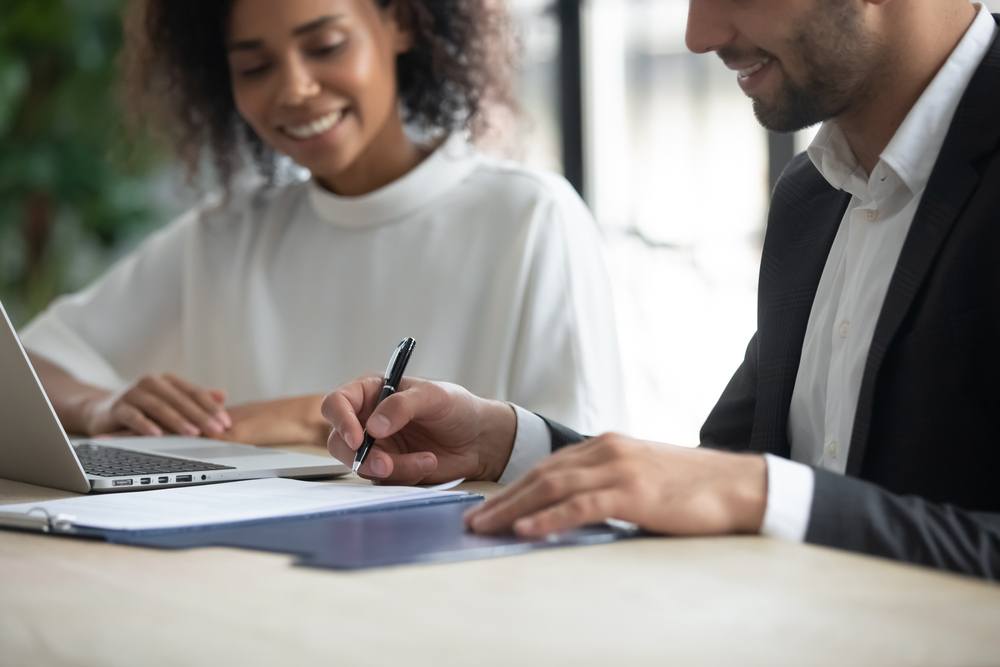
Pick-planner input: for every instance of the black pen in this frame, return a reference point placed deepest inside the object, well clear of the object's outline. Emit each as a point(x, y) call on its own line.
point(393, 376)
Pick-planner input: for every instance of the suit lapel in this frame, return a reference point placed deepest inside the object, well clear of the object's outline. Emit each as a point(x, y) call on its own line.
point(974, 132)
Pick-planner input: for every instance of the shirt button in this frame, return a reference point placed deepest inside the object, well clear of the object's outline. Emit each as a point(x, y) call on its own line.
point(832, 450)
point(845, 328)
point(872, 215)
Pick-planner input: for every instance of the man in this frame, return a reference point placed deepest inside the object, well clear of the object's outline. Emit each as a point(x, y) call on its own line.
point(863, 416)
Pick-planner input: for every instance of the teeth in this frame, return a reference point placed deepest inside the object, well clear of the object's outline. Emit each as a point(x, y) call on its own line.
point(314, 128)
point(750, 71)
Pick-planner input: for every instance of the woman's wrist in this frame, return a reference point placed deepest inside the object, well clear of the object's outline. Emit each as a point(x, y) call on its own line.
point(81, 413)
point(313, 421)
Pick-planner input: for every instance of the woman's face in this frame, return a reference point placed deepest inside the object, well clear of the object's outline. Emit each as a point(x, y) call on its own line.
point(316, 80)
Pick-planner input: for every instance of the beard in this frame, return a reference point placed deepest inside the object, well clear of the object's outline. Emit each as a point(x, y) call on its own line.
point(841, 66)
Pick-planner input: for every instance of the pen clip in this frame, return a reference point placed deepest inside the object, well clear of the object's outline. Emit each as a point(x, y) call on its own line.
point(397, 363)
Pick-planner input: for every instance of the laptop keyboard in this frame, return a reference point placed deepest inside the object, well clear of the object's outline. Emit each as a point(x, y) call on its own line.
point(105, 461)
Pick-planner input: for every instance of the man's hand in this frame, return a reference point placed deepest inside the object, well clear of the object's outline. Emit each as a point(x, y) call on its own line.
point(284, 421)
point(661, 488)
point(427, 432)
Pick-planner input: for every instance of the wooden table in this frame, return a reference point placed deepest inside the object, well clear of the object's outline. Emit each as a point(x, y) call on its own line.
point(730, 601)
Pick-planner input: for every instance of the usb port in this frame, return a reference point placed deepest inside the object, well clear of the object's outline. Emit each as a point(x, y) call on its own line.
point(122, 482)
point(162, 480)
point(184, 478)
point(145, 480)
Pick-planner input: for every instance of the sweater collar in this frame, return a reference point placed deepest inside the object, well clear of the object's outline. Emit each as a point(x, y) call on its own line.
point(446, 167)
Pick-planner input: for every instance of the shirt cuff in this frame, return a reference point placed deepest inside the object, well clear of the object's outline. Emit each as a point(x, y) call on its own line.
point(531, 444)
point(789, 499)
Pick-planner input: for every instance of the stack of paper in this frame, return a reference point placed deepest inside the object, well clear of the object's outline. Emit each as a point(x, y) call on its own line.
point(212, 504)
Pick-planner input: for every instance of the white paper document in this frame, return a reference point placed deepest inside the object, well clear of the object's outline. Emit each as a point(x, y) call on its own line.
point(211, 504)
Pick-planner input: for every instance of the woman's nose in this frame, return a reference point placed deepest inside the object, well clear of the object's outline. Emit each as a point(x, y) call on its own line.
point(297, 84)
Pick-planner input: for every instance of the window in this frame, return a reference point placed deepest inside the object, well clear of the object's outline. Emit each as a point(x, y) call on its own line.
point(676, 172)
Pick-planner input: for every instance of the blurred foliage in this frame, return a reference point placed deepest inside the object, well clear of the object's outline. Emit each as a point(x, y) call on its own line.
point(72, 186)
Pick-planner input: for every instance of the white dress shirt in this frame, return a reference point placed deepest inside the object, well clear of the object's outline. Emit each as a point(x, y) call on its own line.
point(851, 290)
point(495, 270)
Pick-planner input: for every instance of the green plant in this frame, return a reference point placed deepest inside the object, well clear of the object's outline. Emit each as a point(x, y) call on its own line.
point(72, 187)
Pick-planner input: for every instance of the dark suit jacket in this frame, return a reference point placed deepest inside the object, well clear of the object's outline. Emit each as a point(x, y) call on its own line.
point(923, 472)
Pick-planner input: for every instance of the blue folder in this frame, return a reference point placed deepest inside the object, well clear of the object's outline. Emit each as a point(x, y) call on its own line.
point(431, 533)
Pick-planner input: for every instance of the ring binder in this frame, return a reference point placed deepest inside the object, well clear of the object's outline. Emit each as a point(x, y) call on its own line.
point(37, 519)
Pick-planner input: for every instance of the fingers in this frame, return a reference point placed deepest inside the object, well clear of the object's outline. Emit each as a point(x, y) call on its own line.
point(542, 489)
point(211, 402)
point(339, 449)
point(348, 406)
point(134, 420)
point(345, 406)
point(157, 403)
point(581, 455)
point(381, 466)
point(403, 469)
point(195, 406)
point(577, 511)
point(155, 408)
point(420, 401)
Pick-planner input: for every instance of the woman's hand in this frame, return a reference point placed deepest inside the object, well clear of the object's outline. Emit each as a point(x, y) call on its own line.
point(159, 404)
point(279, 422)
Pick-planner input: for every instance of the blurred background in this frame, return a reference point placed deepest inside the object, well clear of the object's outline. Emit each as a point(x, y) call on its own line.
point(661, 143)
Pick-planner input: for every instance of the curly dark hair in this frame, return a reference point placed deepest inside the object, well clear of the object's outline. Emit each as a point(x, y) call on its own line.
point(176, 80)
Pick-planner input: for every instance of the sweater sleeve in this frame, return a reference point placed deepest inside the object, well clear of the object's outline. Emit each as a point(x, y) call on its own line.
point(127, 322)
point(566, 360)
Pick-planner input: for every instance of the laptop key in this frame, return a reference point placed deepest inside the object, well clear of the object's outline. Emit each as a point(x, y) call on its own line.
point(106, 461)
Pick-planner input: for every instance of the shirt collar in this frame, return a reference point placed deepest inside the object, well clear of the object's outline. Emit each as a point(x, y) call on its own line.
point(915, 146)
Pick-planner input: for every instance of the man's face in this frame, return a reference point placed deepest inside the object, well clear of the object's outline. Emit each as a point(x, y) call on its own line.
point(800, 61)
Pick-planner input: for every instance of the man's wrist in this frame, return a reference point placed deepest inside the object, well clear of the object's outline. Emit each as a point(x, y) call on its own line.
point(498, 427)
point(748, 493)
point(790, 488)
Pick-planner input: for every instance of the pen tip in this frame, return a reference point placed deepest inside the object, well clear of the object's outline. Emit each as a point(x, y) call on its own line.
point(355, 466)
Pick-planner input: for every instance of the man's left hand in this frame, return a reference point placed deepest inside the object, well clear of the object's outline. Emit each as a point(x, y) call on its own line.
point(662, 488)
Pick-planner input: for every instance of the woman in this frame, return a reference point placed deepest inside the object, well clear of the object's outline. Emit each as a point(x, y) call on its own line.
point(232, 321)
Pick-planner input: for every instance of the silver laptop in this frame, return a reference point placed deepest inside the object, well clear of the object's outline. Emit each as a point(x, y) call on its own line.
point(34, 447)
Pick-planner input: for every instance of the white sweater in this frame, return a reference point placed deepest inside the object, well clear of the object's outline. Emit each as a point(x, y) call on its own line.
point(495, 270)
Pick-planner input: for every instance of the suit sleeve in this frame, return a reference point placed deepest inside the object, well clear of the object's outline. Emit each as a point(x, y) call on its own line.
point(731, 421)
point(849, 513)
point(561, 436)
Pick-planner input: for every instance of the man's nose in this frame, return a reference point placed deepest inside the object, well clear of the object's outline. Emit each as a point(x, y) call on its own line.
point(709, 26)
point(297, 83)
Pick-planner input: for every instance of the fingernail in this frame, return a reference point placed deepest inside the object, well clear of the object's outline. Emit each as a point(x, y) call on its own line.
point(215, 426)
point(378, 425)
point(525, 525)
point(191, 430)
point(349, 439)
point(426, 463)
point(379, 468)
point(226, 420)
point(477, 523)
